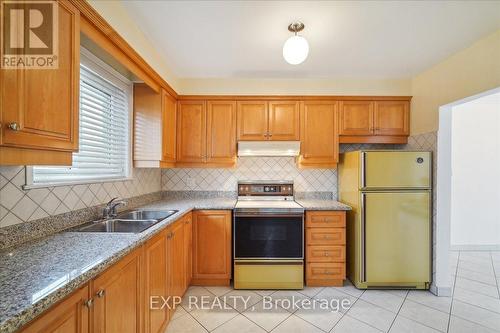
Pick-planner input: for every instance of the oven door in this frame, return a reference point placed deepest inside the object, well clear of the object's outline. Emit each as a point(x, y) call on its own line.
point(268, 236)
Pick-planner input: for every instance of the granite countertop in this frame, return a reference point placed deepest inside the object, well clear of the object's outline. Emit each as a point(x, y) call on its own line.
point(322, 204)
point(36, 275)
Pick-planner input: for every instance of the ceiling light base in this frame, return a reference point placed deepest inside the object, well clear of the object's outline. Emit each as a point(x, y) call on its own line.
point(296, 27)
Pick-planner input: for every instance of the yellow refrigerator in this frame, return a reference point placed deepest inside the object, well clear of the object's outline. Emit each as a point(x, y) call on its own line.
point(389, 227)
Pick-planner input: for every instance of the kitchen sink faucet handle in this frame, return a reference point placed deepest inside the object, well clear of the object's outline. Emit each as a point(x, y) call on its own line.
point(110, 208)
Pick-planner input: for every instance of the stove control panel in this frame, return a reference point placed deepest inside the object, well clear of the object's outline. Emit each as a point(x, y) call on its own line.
point(267, 189)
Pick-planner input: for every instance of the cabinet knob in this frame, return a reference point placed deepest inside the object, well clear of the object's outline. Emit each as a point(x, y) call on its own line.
point(14, 126)
point(326, 254)
point(89, 303)
point(101, 293)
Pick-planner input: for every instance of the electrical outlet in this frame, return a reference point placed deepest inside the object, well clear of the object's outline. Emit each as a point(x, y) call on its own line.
point(191, 182)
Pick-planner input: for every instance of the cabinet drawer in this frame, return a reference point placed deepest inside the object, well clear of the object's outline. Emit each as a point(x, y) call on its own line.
point(325, 219)
point(325, 253)
point(325, 271)
point(325, 236)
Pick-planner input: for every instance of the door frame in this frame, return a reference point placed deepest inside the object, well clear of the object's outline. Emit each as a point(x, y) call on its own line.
point(441, 285)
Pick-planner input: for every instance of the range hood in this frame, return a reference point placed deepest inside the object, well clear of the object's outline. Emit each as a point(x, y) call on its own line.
point(268, 148)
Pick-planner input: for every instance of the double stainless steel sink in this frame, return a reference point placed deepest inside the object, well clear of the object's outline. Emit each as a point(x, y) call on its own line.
point(130, 222)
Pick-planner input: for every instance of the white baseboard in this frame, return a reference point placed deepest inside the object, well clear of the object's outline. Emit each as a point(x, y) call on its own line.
point(486, 247)
point(440, 291)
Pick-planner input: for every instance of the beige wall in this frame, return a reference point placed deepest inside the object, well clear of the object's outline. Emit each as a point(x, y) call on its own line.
point(295, 87)
point(114, 13)
point(468, 72)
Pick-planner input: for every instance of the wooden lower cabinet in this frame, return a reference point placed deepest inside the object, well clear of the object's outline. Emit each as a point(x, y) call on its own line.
point(117, 296)
point(188, 249)
point(128, 296)
point(325, 248)
point(69, 316)
point(156, 283)
point(211, 247)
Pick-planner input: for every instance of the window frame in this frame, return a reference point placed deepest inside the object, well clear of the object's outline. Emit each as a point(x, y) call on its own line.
point(108, 73)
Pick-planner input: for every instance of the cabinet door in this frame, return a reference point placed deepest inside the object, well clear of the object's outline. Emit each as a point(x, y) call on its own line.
point(69, 316)
point(176, 259)
point(188, 249)
point(221, 132)
point(252, 120)
point(284, 121)
point(169, 131)
point(392, 118)
point(117, 295)
point(319, 134)
point(156, 283)
point(191, 132)
point(41, 105)
point(356, 118)
point(212, 247)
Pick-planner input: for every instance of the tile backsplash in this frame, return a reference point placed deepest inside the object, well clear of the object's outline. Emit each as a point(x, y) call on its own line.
point(250, 168)
point(18, 205)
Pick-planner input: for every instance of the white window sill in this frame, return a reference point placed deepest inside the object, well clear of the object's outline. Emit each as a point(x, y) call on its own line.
point(81, 182)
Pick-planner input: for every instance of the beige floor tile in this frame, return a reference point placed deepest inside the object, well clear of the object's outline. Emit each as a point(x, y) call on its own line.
point(185, 324)
point(242, 299)
point(320, 316)
point(350, 289)
point(475, 314)
point(459, 325)
point(219, 290)
point(350, 325)
point(383, 298)
point(425, 315)
point(213, 313)
point(178, 312)
point(289, 300)
point(404, 325)
point(476, 276)
point(331, 294)
point(239, 324)
point(475, 286)
point(483, 267)
point(294, 324)
point(194, 295)
point(264, 292)
point(310, 291)
point(266, 318)
point(483, 301)
point(372, 315)
point(400, 293)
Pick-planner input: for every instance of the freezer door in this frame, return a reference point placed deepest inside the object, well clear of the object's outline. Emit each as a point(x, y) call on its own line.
point(392, 169)
point(396, 227)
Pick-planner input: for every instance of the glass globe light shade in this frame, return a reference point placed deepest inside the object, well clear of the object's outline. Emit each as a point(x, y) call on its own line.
point(295, 50)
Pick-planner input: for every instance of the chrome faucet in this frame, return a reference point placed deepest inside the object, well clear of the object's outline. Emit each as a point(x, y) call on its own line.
point(109, 210)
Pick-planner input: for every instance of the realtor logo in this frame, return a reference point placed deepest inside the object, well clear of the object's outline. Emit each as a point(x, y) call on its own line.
point(29, 34)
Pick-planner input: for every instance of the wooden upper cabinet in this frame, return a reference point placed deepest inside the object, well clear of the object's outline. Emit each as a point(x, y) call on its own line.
point(39, 107)
point(252, 120)
point(392, 117)
point(221, 132)
point(191, 132)
point(211, 247)
point(356, 117)
point(169, 128)
point(69, 316)
point(284, 121)
point(117, 297)
point(319, 134)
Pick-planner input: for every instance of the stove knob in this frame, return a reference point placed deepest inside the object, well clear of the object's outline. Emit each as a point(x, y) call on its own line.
point(266, 189)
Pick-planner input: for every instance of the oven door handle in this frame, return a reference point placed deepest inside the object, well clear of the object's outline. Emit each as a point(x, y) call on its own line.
point(268, 215)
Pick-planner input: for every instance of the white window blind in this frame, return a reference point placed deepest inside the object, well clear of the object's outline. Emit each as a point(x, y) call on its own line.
point(104, 149)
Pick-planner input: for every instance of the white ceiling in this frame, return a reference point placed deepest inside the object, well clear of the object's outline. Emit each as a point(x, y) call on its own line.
point(350, 39)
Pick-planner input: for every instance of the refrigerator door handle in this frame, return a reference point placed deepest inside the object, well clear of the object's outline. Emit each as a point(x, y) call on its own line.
point(363, 171)
point(363, 238)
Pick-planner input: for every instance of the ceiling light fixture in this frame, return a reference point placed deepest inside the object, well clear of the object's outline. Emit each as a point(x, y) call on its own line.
point(296, 48)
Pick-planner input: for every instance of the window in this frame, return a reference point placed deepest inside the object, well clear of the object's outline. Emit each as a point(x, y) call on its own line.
point(104, 130)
